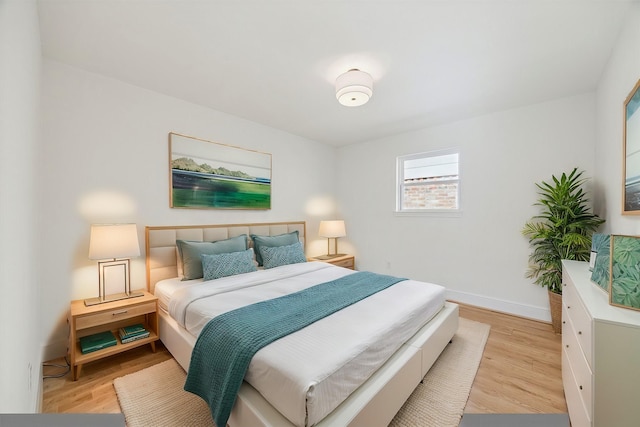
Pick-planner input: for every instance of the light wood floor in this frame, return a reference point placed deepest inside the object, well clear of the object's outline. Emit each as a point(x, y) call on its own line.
point(519, 373)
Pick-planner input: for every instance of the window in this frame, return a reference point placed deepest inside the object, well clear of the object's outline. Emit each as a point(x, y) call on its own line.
point(429, 182)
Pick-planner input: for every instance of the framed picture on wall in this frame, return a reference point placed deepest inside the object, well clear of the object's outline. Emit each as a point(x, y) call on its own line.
point(208, 175)
point(631, 156)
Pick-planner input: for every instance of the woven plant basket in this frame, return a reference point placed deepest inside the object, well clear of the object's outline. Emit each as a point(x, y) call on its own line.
point(555, 303)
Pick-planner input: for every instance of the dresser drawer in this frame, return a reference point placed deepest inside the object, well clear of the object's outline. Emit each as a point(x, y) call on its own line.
point(95, 319)
point(580, 369)
point(574, 312)
point(577, 410)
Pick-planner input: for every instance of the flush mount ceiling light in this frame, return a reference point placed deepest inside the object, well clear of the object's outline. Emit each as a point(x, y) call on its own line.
point(354, 88)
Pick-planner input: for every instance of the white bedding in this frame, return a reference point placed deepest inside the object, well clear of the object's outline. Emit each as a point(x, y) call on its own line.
point(164, 289)
point(307, 374)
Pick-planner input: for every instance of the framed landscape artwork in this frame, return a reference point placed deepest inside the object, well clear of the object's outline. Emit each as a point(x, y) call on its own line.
point(208, 175)
point(631, 157)
point(624, 290)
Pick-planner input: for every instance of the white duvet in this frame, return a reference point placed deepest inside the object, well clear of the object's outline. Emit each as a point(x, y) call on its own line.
point(307, 374)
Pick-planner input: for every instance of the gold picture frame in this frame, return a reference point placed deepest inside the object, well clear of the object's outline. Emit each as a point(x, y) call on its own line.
point(631, 153)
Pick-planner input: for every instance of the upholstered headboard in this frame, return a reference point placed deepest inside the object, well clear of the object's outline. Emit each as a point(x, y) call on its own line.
point(160, 242)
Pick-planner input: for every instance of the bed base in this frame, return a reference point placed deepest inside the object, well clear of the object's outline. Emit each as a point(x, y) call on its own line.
point(375, 403)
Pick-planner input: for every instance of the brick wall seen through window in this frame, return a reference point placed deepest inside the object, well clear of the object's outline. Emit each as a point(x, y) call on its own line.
point(429, 182)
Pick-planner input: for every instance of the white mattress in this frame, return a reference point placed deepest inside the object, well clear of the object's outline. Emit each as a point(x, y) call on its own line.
point(307, 374)
point(165, 288)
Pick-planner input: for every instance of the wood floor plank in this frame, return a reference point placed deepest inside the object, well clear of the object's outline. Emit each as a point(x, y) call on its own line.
point(520, 372)
point(94, 392)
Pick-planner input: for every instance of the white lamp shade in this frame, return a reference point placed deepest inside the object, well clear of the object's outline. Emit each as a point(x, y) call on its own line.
point(354, 88)
point(112, 241)
point(332, 229)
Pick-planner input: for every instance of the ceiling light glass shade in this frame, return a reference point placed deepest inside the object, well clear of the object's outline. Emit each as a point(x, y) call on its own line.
point(354, 88)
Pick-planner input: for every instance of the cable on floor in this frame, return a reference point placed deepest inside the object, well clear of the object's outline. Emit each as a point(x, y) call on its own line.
point(67, 368)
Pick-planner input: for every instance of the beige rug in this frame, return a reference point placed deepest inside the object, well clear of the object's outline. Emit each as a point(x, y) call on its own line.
point(154, 396)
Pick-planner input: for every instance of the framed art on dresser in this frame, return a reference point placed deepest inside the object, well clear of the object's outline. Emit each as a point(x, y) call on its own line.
point(624, 290)
point(601, 252)
point(208, 175)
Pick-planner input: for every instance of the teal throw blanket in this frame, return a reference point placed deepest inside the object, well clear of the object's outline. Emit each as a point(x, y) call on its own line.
point(228, 342)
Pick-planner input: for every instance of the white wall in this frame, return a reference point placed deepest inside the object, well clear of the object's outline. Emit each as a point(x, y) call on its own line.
point(20, 62)
point(481, 256)
point(619, 77)
point(104, 158)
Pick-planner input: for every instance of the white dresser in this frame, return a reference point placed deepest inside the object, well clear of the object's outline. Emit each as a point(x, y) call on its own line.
point(601, 354)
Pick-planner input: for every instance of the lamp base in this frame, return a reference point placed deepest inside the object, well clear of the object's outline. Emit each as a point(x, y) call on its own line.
point(329, 256)
point(110, 298)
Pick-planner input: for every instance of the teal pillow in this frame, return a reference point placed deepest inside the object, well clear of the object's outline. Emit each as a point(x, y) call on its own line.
point(282, 255)
point(271, 241)
point(227, 264)
point(190, 253)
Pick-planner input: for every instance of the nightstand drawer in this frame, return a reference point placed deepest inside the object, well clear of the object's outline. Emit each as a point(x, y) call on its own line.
point(91, 320)
point(346, 263)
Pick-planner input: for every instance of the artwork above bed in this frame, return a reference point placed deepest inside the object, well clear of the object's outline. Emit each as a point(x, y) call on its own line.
point(208, 175)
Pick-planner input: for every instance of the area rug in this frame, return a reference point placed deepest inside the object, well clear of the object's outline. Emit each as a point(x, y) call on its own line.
point(154, 396)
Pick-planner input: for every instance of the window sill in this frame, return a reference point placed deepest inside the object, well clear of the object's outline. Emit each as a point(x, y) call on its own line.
point(430, 213)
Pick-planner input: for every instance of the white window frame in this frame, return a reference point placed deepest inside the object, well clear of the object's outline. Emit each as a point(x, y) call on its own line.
point(400, 184)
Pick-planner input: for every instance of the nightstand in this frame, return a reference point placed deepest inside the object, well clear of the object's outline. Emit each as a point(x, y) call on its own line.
point(346, 261)
point(110, 316)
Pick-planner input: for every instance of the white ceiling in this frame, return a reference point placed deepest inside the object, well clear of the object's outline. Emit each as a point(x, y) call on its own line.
point(275, 61)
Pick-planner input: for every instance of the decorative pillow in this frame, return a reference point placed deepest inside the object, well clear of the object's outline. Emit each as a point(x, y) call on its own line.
point(272, 241)
point(276, 256)
point(227, 264)
point(191, 252)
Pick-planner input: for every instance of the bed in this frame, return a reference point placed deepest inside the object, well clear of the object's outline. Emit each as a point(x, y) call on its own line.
point(392, 369)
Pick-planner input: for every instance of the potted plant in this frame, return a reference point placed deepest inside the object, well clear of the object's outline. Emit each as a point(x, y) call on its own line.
point(562, 230)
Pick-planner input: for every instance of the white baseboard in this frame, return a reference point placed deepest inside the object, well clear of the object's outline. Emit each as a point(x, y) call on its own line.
point(523, 310)
point(38, 408)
